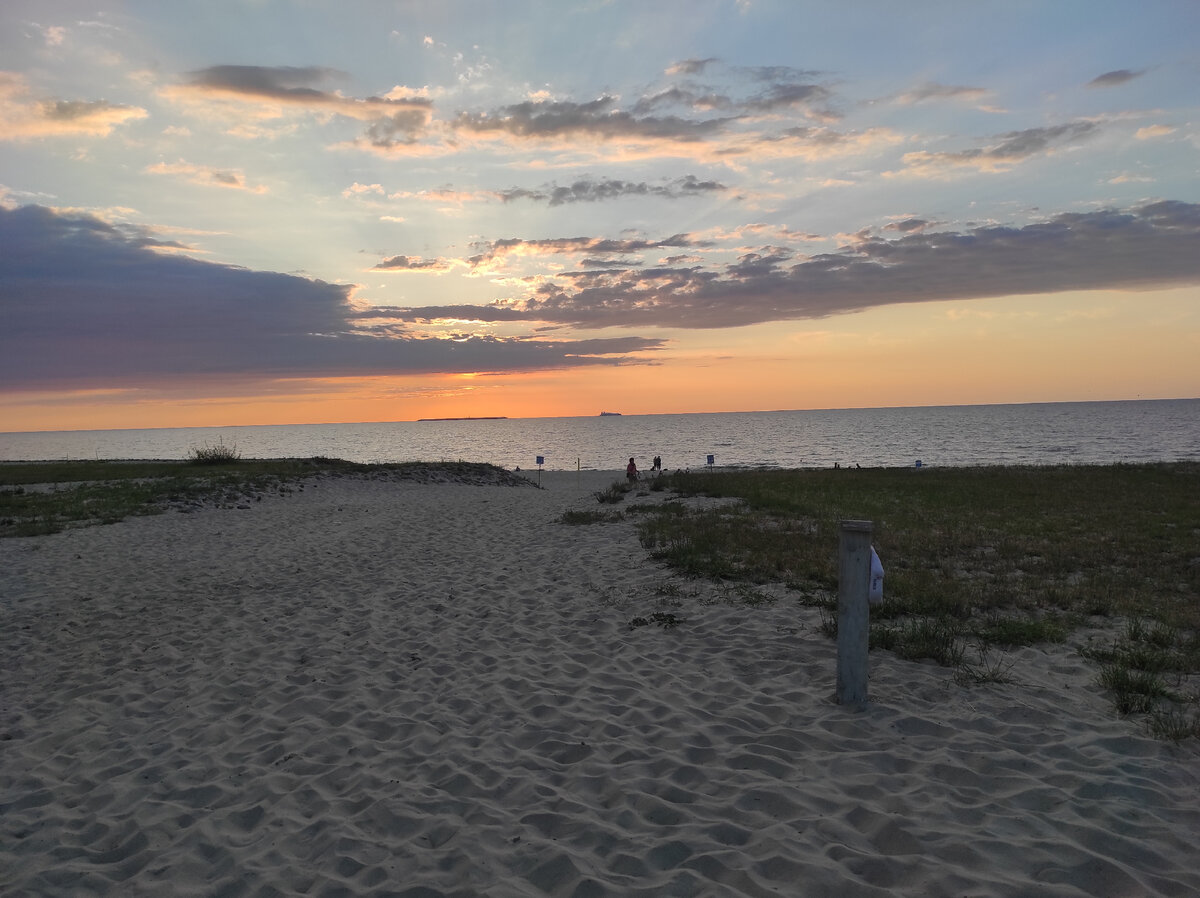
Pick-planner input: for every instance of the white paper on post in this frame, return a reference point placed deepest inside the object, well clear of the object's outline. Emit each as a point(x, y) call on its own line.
point(875, 595)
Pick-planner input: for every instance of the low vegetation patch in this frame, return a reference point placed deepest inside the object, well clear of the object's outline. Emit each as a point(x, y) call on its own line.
point(978, 560)
point(613, 494)
point(220, 454)
point(664, 619)
point(576, 518)
point(46, 497)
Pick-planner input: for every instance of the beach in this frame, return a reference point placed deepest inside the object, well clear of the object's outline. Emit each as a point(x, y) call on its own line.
point(441, 689)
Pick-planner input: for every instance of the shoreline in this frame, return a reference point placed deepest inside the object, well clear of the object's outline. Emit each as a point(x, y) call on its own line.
point(1037, 433)
point(377, 687)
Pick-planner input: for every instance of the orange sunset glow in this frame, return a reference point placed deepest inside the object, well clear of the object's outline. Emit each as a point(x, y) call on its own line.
point(399, 213)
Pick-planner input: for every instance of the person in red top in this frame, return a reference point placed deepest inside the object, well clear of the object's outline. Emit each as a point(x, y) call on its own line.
point(631, 471)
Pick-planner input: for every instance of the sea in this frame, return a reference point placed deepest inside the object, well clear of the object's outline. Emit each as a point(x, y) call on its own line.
point(1055, 433)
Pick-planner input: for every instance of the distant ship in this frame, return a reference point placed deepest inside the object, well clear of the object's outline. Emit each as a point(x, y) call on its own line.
point(610, 414)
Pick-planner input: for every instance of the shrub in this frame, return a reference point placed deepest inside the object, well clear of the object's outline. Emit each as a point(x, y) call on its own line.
point(613, 494)
point(220, 454)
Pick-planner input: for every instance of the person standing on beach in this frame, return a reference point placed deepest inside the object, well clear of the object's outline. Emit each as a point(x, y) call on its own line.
point(631, 470)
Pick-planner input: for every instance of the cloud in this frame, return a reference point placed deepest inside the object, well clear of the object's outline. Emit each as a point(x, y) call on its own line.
point(1115, 78)
point(413, 263)
point(268, 92)
point(598, 118)
point(206, 176)
point(86, 303)
point(587, 190)
point(816, 144)
point(22, 117)
point(738, 115)
point(713, 125)
point(908, 225)
point(1148, 247)
point(785, 97)
point(750, 92)
point(357, 189)
point(1013, 148)
point(932, 91)
point(53, 35)
point(1150, 132)
point(690, 66)
point(1127, 178)
point(581, 190)
point(448, 196)
point(493, 255)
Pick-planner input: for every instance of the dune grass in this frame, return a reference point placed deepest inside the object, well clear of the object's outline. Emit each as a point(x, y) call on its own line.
point(978, 560)
point(46, 497)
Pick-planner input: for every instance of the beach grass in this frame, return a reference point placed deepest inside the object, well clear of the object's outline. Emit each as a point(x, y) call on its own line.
point(978, 561)
point(39, 498)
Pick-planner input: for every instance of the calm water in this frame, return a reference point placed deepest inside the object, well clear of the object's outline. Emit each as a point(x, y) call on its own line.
point(1038, 434)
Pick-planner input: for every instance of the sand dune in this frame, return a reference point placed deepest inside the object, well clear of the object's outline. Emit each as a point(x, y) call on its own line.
point(434, 690)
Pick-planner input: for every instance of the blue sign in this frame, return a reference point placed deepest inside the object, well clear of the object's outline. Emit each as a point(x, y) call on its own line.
point(711, 459)
point(541, 459)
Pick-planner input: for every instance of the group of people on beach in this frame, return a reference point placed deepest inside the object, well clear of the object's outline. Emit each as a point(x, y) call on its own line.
point(631, 471)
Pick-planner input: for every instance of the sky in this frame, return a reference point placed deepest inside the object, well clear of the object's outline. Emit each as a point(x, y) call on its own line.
point(267, 212)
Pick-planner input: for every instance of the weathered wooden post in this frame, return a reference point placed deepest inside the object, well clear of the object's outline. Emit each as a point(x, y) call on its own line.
point(854, 619)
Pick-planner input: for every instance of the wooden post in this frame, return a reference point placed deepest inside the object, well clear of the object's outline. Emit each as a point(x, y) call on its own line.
point(854, 620)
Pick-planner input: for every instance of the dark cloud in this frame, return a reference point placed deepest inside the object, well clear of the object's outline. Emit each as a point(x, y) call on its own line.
point(288, 83)
point(1149, 247)
point(587, 190)
point(595, 118)
point(399, 129)
point(391, 122)
point(75, 110)
point(779, 73)
point(908, 225)
point(787, 90)
point(1019, 144)
point(24, 116)
point(683, 114)
point(1013, 147)
point(679, 96)
point(783, 97)
point(607, 263)
point(412, 263)
point(1112, 79)
point(87, 304)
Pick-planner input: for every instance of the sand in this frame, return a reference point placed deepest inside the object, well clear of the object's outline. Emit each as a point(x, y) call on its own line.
point(434, 690)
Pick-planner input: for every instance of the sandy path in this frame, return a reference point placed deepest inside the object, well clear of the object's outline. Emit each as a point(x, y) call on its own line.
point(399, 689)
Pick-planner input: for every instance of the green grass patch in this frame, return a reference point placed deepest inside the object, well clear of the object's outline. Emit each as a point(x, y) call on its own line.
point(1134, 691)
point(38, 498)
point(1174, 724)
point(1008, 630)
point(614, 493)
point(984, 668)
point(577, 518)
point(995, 557)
